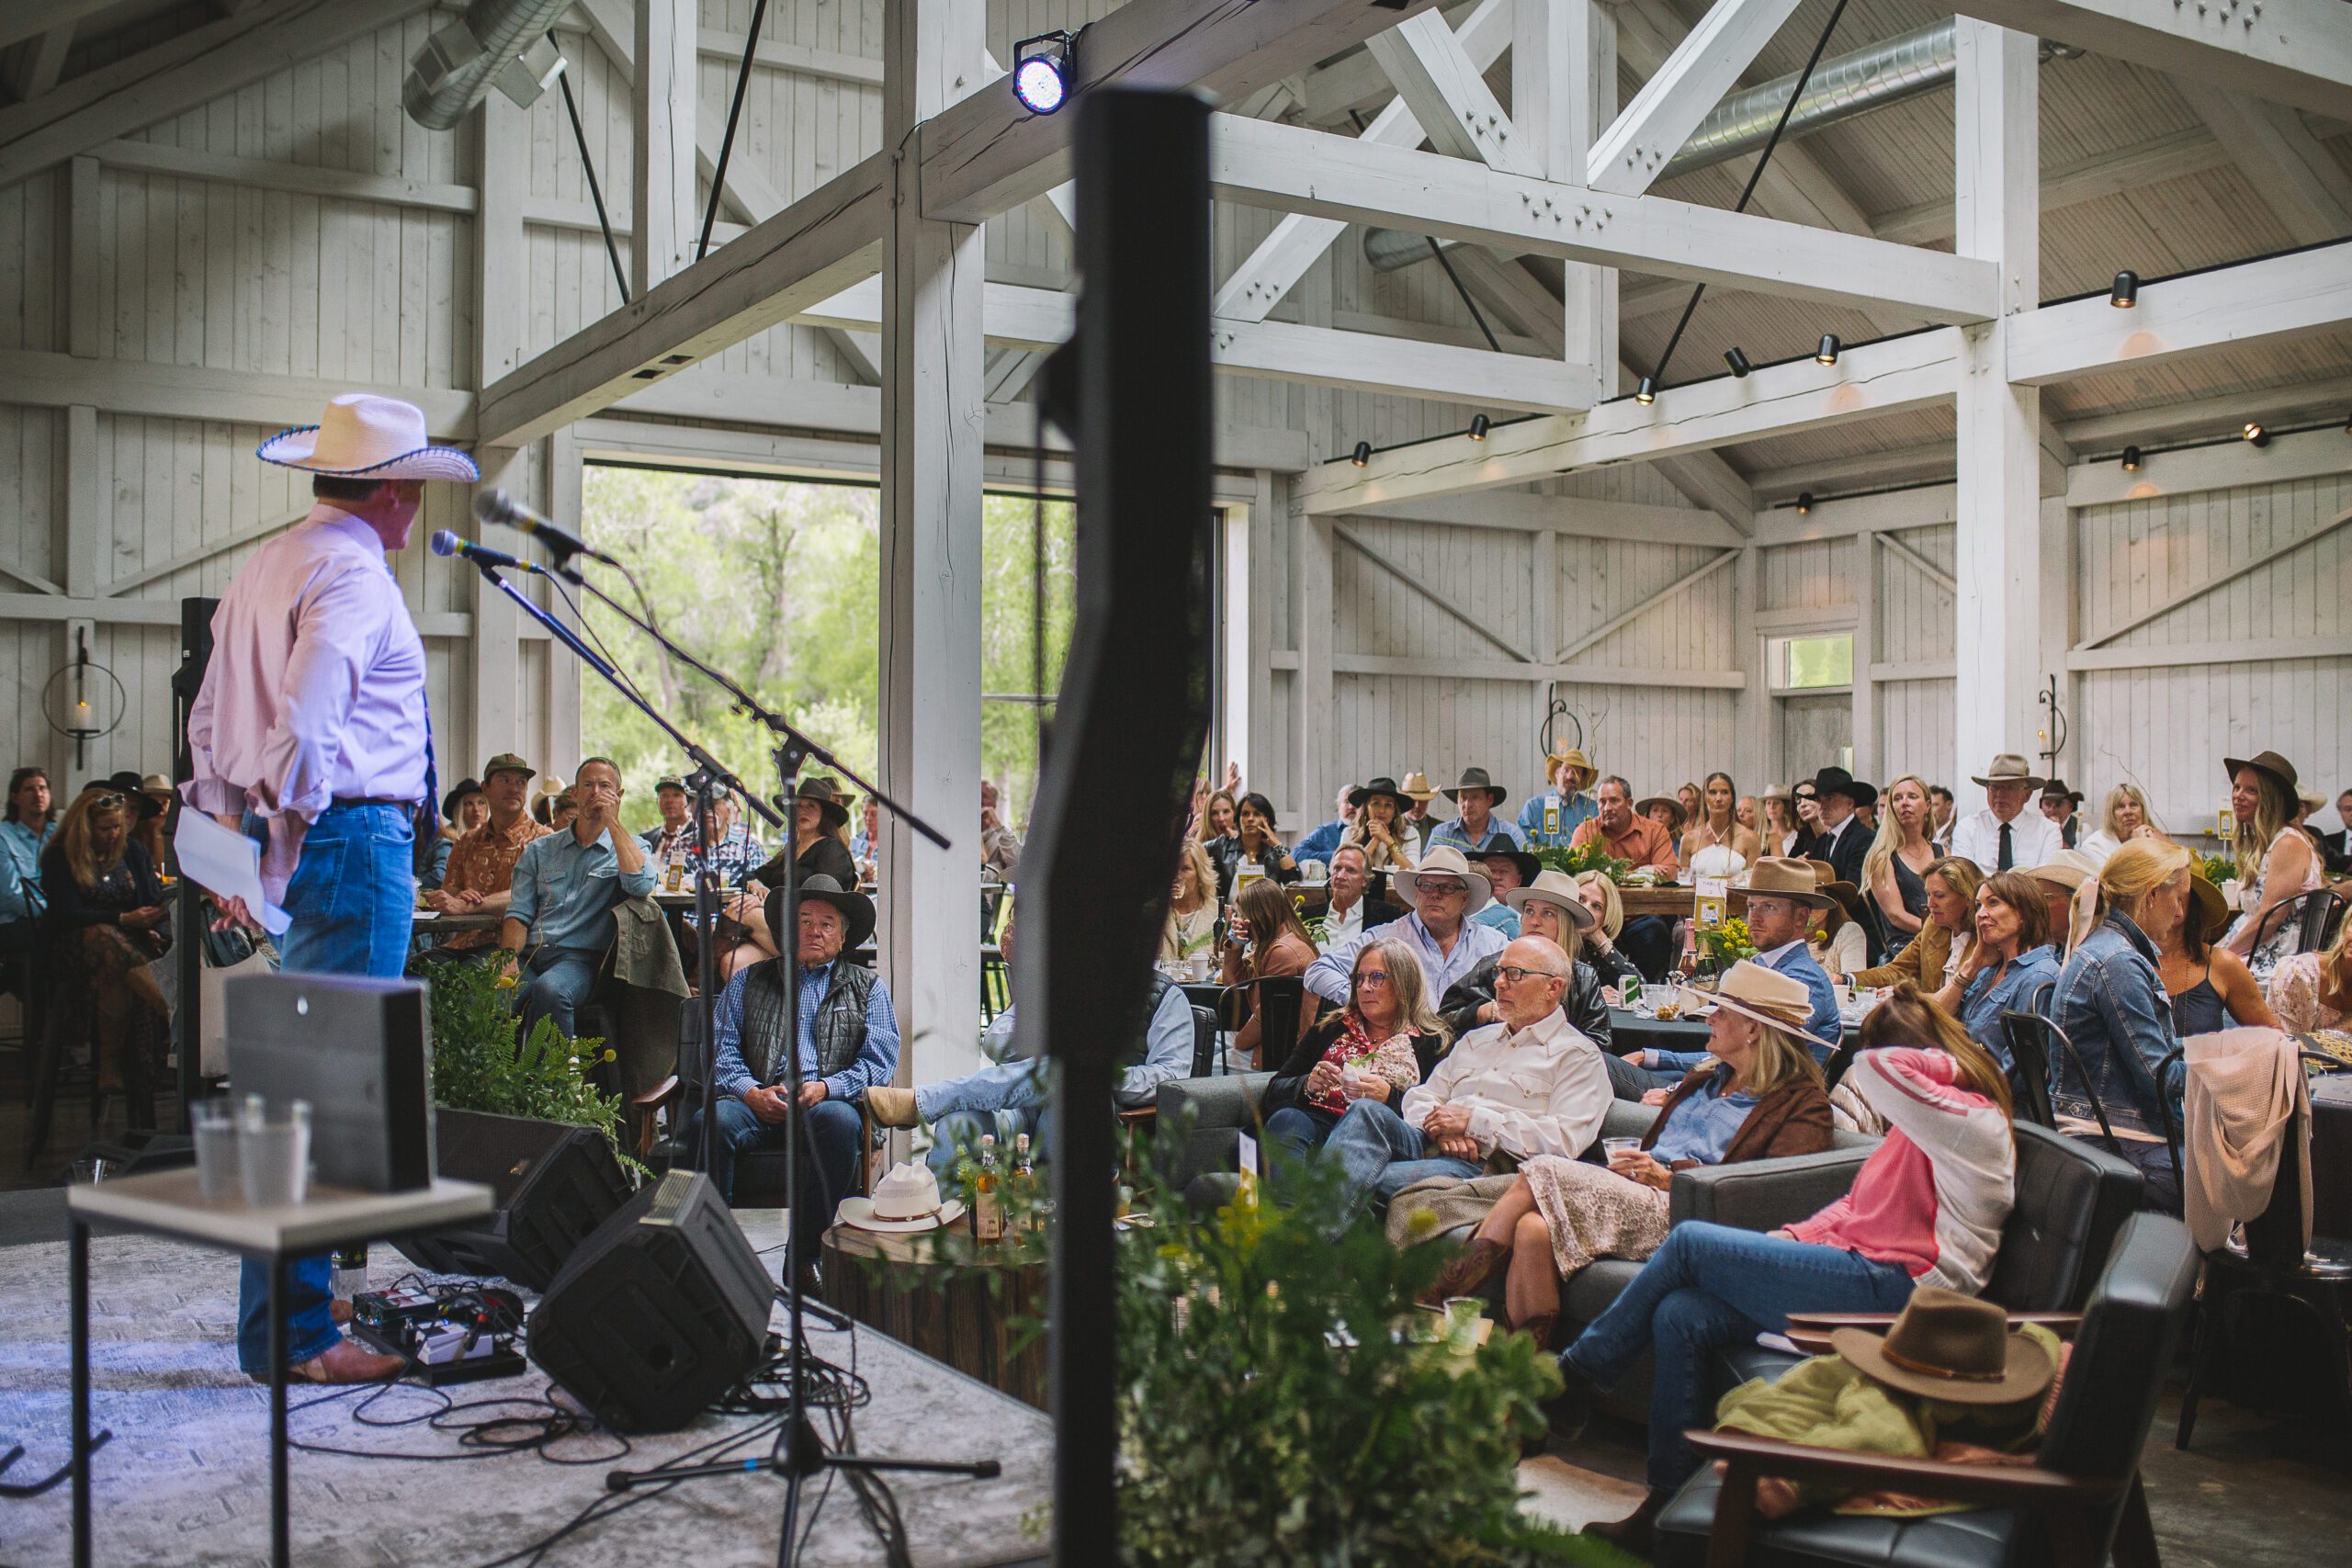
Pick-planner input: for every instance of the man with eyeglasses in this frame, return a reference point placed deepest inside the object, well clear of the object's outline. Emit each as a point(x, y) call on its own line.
point(1525, 1085)
point(1442, 891)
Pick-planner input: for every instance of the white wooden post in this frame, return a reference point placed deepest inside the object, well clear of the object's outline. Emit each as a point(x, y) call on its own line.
point(2000, 612)
point(1317, 610)
point(932, 416)
point(502, 179)
point(665, 221)
point(1564, 91)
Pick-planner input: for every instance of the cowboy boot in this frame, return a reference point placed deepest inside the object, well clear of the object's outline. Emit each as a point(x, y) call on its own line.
point(1637, 1532)
point(890, 1106)
point(1464, 1272)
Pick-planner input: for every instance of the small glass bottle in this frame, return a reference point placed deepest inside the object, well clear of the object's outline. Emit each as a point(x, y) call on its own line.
point(988, 1202)
point(1025, 1182)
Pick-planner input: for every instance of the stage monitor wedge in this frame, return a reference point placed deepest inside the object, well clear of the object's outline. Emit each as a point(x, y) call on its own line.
point(554, 1184)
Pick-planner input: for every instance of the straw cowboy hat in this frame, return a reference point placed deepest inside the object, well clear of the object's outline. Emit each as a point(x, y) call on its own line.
point(1766, 995)
point(2068, 869)
point(1445, 860)
point(2269, 762)
point(1558, 889)
point(1786, 878)
point(1417, 786)
point(362, 435)
point(2009, 768)
point(1950, 1347)
point(1575, 758)
point(1780, 792)
point(1476, 778)
point(1642, 808)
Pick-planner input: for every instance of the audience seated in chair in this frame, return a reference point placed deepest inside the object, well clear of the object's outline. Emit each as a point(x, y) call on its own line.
point(560, 905)
point(1380, 1046)
point(478, 878)
point(2011, 962)
point(1550, 908)
point(1620, 832)
point(24, 834)
point(1442, 890)
point(1352, 910)
point(1277, 946)
point(958, 1111)
point(106, 922)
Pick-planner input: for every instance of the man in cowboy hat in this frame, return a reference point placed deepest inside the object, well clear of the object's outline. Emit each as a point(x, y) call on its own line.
point(2062, 804)
point(1785, 898)
point(1418, 795)
point(1508, 868)
point(1833, 833)
point(1616, 828)
point(562, 899)
point(1352, 910)
point(958, 1111)
point(1477, 826)
point(1442, 890)
point(2001, 837)
point(672, 832)
point(847, 1043)
point(1551, 818)
point(1547, 906)
point(2060, 878)
point(480, 876)
point(312, 718)
point(1319, 843)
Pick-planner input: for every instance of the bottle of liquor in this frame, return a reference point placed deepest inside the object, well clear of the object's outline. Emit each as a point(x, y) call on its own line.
point(673, 874)
point(348, 1271)
point(1025, 1182)
point(988, 1202)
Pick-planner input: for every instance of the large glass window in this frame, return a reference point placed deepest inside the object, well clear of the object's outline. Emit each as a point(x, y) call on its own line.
point(1810, 663)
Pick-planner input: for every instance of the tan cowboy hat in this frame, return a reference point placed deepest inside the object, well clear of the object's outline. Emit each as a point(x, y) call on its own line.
point(1417, 786)
point(1754, 990)
point(1445, 860)
point(1950, 1347)
point(2313, 800)
point(1642, 808)
point(362, 435)
point(2269, 762)
point(2009, 768)
point(1575, 758)
point(2212, 911)
point(1780, 792)
point(1558, 889)
point(1849, 897)
point(1785, 879)
point(2068, 869)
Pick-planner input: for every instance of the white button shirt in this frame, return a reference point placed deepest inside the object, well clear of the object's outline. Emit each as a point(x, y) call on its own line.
point(2033, 840)
point(1338, 928)
point(1541, 1090)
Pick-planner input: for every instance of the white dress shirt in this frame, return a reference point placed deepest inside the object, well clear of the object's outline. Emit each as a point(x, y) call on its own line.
point(1338, 928)
point(1540, 1090)
point(2033, 840)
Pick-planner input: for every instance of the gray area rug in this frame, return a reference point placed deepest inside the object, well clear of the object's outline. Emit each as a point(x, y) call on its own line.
point(186, 1480)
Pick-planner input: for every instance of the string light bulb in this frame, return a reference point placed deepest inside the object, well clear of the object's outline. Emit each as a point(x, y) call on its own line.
point(2124, 292)
point(1827, 353)
point(2255, 434)
point(1737, 361)
point(1647, 393)
point(1478, 426)
point(2130, 459)
point(1804, 504)
point(1362, 456)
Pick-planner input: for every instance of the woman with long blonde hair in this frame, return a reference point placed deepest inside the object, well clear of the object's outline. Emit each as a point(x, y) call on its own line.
point(106, 922)
point(2284, 867)
point(2124, 818)
point(1894, 873)
point(2313, 990)
point(1598, 894)
point(1190, 929)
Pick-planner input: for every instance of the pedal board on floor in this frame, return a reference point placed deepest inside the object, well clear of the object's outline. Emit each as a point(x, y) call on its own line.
point(446, 1336)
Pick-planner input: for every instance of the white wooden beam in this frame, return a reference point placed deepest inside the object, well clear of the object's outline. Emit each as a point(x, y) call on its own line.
point(2159, 158)
point(1564, 91)
point(1894, 465)
point(664, 217)
point(2312, 455)
point(1707, 63)
point(1571, 517)
point(2210, 416)
point(1321, 357)
point(1714, 484)
point(2237, 650)
point(1920, 563)
point(2297, 179)
point(2289, 52)
point(2231, 307)
point(2222, 579)
point(1448, 669)
point(270, 174)
point(38, 380)
point(42, 62)
point(30, 19)
point(1444, 88)
point(1421, 591)
point(502, 174)
point(203, 64)
point(1866, 382)
point(1274, 166)
point(794, 58)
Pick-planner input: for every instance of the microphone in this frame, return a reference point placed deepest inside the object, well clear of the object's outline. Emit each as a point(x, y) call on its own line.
point(445, 543)
point(497, 506)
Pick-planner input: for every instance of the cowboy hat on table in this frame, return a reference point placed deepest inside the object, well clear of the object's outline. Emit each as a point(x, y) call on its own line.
point(364, 436)
point(905, 1201)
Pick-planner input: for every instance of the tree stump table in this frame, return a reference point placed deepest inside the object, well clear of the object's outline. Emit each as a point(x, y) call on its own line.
point(948, 1297)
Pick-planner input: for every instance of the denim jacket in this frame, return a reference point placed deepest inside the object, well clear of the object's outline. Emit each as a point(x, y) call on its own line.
point(2112, 1002)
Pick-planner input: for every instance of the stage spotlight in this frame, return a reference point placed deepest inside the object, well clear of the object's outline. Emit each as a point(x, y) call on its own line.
point(1827, 353)
point(2124, 292)
point(1737, 361)
point(1478, 426)
point(1362, 456)
point(2255, 434)
point(1804, 504)
point(1647, 393)
point(2130, 459)
point(1041, 71)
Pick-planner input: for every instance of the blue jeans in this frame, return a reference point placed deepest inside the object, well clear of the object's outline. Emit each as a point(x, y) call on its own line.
point(1380, 1154)
point(1628, 1079)
point(1708, 1287)
point(1299, 1130)
point(828, 1173)
point(962, 1111)
point(353, 901)
point(560, 980)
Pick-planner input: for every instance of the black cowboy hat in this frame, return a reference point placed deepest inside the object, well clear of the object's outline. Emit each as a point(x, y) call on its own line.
point(1386, 785)
point(1529, 866)
point(2058, 786)
point(855, 907)
point(828, 794)
point(1837, 781)
point(133, 790)
point(457, 796)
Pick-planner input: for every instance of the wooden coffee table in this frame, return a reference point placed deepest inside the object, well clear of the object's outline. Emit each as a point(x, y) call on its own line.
point(955, 1302)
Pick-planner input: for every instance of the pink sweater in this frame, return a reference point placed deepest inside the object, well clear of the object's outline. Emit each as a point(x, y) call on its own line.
point(1935, 1195)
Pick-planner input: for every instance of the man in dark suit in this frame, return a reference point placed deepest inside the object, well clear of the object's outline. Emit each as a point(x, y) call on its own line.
point(1835, 834)
point(1353, 910)
point(2337, 847)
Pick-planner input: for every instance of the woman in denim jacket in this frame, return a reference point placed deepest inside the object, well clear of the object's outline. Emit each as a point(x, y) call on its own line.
point(2111, 1000)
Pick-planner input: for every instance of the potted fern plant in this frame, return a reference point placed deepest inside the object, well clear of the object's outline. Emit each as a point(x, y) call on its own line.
point(479, 1064)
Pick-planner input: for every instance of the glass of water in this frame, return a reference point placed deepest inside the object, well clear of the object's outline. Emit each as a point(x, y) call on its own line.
point(215, 1127)
point(274, 1156)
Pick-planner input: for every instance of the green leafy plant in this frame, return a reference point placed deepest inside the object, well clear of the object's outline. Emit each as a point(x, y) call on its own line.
point(478, 1065)
point(1578, 859)
point(2217, 869)
point(1728, 942)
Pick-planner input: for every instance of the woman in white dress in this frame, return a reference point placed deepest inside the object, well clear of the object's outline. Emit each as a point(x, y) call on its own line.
point(2263, 797)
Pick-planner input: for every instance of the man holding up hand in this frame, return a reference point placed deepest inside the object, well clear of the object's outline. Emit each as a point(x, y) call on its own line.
point(562, 901)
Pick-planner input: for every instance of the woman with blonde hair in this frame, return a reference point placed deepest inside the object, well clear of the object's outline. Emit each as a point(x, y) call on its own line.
point(1218, 818)
point(1930, 958)
point(2112, 1002)
point(1374, 1048)
point(1760, 1098)
point(2264, 798)
point(106, 924)
point(1190, 929)
point(1894, 873)
point(1278, 945)
point(2313, 990)
point(1717, 822)
point(1781, 828)
point(1598, 894)
point(2125, 817)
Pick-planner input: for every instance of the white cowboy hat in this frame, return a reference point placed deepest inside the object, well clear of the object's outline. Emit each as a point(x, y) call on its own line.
point(1558, 889)
point(1764, 994)
point(904, 1201)
point(363, 435)
point(1446, 861)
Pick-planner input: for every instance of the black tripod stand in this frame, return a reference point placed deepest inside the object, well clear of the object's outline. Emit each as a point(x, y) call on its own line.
point(799, 1451)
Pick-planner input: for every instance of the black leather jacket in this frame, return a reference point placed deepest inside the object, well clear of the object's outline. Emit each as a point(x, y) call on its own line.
point(1583, 1003)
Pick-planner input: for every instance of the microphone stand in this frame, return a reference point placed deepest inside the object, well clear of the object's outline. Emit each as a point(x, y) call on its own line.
point(799, 1452)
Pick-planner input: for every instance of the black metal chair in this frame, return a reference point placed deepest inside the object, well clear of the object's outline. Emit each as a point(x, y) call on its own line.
point(2315, 916)
point(2029, 1067)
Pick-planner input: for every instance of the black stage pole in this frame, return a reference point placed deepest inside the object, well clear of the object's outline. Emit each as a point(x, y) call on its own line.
point(1132, 392)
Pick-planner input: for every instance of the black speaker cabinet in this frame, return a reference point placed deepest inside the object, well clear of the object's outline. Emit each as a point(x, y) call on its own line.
point(554, 1184)
point(353, 1047)
point(661, 1312)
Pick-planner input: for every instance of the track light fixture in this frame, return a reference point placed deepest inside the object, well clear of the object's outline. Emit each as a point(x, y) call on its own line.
point(2255, 434)
point(1737, 361)
point(1804, 504)
point(2124, 292)
point(1647, 393)
point(2130, 459)
point(1478, 426)
point(1362, 456)
point(1827, 353)
point(1041, 71)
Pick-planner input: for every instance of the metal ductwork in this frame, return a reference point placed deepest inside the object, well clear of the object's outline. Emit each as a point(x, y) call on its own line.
point(499, 43)
point(1900, 68)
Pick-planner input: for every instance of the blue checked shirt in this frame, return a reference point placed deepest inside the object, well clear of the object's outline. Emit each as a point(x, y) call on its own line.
point(1498, 833)
point(877, 1059)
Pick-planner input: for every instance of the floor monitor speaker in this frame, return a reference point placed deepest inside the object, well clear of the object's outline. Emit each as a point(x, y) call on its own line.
point(659, 1313)
point(553, 1184)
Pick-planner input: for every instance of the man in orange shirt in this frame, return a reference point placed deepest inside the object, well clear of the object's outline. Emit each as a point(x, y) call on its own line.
point(481, 874)
point(1645, 939)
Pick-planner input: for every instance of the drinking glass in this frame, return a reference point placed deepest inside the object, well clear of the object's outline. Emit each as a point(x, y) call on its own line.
point(215, 1128)
point(274, 1157)
point(1612, 1148)
point(1462, 1315)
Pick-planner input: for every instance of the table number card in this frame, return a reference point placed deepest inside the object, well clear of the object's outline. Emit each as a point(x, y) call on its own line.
point(1714, 904)
point(1248, 1195)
